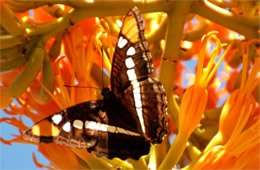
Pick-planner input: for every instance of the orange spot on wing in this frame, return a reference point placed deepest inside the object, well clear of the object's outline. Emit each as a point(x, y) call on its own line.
point(130, 29)
point(45, 128)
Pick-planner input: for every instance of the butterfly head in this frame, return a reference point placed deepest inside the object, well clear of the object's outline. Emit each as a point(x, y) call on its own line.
point(106, 92)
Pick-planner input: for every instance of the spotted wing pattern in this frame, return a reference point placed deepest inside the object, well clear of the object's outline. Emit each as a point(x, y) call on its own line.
point(132, 59)
point(95, 126)
point(132, 82)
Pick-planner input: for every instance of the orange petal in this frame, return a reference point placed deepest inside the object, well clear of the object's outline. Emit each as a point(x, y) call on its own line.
point(37, 163)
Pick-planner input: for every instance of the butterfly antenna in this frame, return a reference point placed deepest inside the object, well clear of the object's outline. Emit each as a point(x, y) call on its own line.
point(69, 86)
point(102, 65)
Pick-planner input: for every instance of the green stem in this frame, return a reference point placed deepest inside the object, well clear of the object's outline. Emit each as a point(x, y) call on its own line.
point(161, 150)
point(29, 73)
point(216, 140)
point(176, 20)
point(115, 6)
point(138, 164)
point(97, 9)
point(177, 17)
point(8, 20)
point(117, 163)
point(247, 26)
point(96, 163)
point(175, 152)
point(197, 31)
point(152, 164)
point(213, 114)
point(48, 78)
point(193, 151)
point(206, 133)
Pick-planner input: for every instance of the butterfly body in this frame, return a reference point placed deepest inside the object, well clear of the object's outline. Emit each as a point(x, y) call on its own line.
point(131, 114)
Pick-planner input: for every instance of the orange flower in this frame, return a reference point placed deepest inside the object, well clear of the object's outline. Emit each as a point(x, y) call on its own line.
point(237, 141)
point(242, 151)
point(194, 100)
point(239, 106)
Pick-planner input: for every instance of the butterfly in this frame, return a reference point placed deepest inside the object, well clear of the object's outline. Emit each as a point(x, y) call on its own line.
point(131, 115)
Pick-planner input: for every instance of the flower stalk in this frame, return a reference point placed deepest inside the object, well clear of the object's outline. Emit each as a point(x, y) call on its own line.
point(31, 70)
point(9, 20)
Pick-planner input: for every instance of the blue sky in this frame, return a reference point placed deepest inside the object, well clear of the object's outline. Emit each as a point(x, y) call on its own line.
point(17, 156)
